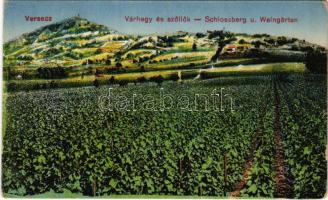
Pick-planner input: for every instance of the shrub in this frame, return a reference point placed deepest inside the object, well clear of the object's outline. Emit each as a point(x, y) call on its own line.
point(316, 61)
point(242, 41)
point(194, 47)
point(141, 79)
point(282, 40)
point(157, 79)
point(96, 83)
point(108, 62)
point(118, 65)
point(112, 80)
point(174, 77)
point(123, 82)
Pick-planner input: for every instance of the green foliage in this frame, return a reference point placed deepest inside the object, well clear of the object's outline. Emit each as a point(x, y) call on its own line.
point(200, 35)
point(51, 72)
point(157, 79)
point(242, 41)
point(282, 40)
point(52, 52)
point(25, 57)
point(304, 127)
point(219, 33)
point(261, 35)
point(141, 79)
point(194, 46)
point(257, 43)
point(316, 61)
point(118, 65)
point(70, 143)
point(61, 141)
point(96, 83)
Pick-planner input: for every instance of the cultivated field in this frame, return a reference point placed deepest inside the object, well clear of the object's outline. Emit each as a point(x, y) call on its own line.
point(272, 144)
point(210, 71)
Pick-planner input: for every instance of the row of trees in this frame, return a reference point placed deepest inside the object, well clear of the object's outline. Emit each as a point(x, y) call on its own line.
point(155, 79)
point(281, 40)
point(51, 72)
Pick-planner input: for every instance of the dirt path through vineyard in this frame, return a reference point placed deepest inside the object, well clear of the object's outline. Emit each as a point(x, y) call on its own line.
point(281, 184)
point(255, 144)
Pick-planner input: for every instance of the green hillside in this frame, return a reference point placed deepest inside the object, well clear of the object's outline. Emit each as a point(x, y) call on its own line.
point(76, 47)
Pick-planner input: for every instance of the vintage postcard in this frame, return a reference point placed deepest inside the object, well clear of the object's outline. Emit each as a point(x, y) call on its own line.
point(164, 99)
